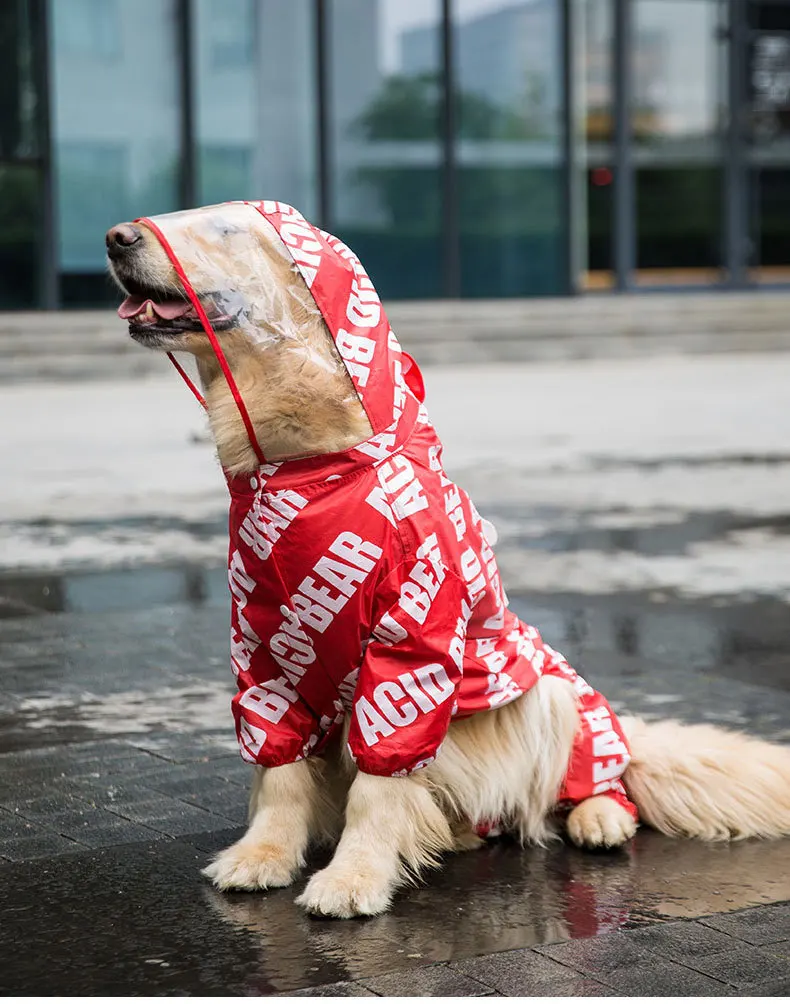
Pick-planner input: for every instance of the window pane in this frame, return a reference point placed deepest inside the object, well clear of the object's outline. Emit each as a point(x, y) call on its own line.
point(509, 147)
point(255, 90)
point(677, 121)
point(386, 99)
point(116, 125)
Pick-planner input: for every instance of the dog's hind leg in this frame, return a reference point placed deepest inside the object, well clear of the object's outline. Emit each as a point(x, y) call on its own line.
point(289, 807)
point(394, 828)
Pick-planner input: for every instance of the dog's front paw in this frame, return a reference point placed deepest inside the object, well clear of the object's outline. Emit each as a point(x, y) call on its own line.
point(337, 891)
point(600, 822)
point(247, 865)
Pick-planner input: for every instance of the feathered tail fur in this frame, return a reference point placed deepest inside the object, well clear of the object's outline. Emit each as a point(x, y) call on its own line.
point(707, 782)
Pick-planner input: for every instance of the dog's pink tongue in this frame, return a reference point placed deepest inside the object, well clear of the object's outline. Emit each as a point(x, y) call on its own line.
point(168, 310)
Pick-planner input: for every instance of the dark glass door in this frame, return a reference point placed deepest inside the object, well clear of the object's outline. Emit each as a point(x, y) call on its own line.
point(22, 195)
point(768, 140)
point(678, 118)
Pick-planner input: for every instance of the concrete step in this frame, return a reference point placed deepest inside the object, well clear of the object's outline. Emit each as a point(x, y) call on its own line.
point(94, 344)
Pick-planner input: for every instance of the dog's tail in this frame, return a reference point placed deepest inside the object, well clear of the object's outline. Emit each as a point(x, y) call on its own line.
point(707, 782)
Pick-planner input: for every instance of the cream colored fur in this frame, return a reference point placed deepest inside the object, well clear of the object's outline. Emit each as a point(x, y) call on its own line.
point(506, 765)
point(706, 782)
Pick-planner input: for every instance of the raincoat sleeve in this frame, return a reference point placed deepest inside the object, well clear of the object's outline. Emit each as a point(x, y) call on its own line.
point(412, 666)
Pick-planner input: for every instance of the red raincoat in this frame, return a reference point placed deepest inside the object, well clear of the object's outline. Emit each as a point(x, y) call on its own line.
point(364, 582)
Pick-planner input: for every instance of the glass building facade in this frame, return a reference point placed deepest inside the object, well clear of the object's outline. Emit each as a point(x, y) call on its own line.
point(463, 148)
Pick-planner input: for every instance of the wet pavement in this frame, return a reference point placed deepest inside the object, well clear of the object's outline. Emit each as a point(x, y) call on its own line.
point(119, 777)
point(657, 560)
point(139, 919)
point(128, 652)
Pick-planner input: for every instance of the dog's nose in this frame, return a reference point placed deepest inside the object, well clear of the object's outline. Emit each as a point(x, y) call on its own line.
point(122, 237)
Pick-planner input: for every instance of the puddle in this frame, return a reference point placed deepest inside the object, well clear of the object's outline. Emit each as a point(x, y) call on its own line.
point(685, 460)
point(199, 707)
point(599, 532)
point(203, 581)
point(653, 625)
point(747, 641)
point(122, 589)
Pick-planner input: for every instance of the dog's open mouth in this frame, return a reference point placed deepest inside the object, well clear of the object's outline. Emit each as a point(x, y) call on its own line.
point(154, 313)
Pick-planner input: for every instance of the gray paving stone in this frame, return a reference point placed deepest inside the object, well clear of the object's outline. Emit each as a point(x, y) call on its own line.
point(44, 845)
point(225, 805)
point(171, 817)
point(594, 956)
point(430, 981)
point(760, 925)
point(519, 972)
point(584, 986)
point(664, 979)
point(43, 808)
point(235, 770)
point(19, 782)
point(108, 793)
point(216, 840)
point(21, 759)
point(101, 750)
point(12, 825)
point(96, 828)
point(743, 966)
point(183, 749)
point(780, 948)
point(162, 770)
point(11, 788)
point(341, 989)
point(103, 758)
point(216, 794)
point(774, 988)
point(120, 767)
point(145, 806)
point(681, 940)
point(186, 825)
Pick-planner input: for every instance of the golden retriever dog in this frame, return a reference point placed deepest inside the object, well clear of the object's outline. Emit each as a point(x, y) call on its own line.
point(505, 764)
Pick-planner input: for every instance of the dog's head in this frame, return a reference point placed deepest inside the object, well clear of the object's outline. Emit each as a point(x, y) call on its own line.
point(221, 282)
point(235, 262)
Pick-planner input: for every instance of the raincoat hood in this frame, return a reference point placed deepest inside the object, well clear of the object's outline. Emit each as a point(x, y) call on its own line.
point(231, 259)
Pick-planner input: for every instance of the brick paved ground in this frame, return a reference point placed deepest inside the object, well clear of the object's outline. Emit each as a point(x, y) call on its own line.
point(744, 954)
point(99, 794)
point(121, 777)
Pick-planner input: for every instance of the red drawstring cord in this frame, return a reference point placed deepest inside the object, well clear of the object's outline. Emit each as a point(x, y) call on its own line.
point(185, 377)
point(245, 417)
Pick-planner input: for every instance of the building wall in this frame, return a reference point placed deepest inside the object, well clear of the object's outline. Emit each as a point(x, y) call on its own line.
point(94, 96)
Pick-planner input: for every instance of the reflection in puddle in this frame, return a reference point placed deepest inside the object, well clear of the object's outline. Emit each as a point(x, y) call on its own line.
point(728, 639)
point(202, 706)
point(609, 532)
point(502, 898)
point(121, 589)
point(492, 900)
